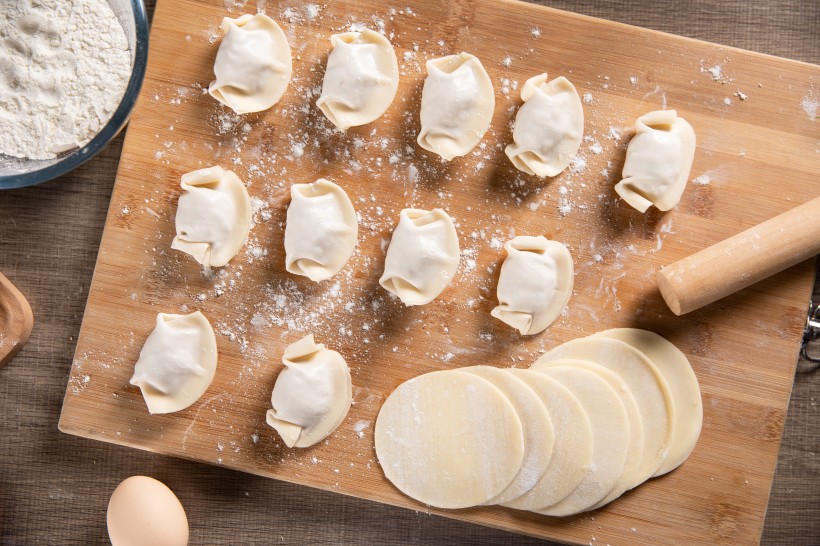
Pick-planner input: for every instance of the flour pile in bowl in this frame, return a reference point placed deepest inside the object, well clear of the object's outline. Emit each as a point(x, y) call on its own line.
point(64, 66)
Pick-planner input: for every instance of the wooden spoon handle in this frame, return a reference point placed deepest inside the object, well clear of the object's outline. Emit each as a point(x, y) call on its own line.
point(16, 320)
point(742, 260)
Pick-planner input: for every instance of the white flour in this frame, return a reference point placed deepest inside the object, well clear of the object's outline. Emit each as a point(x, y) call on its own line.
point(64, 65)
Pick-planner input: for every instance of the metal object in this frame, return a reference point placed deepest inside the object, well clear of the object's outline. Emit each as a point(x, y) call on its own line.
point(810, 348)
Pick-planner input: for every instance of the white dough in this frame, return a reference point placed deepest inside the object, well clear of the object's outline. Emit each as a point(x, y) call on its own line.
point(253, 64)
point(631, 475)
point(422, 257)
point(647, 385)
point(610, 437)
point(536, 426)
point(177, 362)
point(321, 230)
point(311, 396)
point(658, 160)
point(572, 448)
point(535, 283)
point(361, 79)
point(548, 127)
point(683, 384)
point(213, 216)
point(449, 439)
point(457, 104)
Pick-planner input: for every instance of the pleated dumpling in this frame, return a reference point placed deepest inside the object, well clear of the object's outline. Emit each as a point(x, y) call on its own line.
point(311, 396)
point(177, 363)
point(361, 79)
point(213, 216)
point(658, 160)
point(457, 104)
point(321, 230)
point(548, 127)
point(535, 283)
point(253, 64)
point(422, 257)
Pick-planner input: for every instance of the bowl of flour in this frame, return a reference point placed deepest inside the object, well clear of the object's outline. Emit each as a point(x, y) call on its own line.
point(70, 74)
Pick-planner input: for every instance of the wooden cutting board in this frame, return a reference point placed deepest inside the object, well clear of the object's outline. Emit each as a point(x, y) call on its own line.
point(757, 156)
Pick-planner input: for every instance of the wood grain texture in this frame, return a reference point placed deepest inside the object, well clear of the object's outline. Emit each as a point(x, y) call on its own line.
point(54, 487)
point(720, 494)
point(16, 320)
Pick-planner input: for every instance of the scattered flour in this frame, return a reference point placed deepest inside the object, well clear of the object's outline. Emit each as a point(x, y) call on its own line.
point(715, 72)
point(261, 308)
point(312, 11)
point(360, 427)
point(809, 104)
point(702, 180)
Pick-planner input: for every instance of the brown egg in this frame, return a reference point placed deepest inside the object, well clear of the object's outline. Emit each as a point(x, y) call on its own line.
point(144, 512)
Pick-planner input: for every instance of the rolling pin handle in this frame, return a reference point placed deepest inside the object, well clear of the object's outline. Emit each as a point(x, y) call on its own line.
point(742, 260)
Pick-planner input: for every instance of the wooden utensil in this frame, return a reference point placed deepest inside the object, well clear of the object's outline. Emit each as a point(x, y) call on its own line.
point(742, 260)
point(16, 320)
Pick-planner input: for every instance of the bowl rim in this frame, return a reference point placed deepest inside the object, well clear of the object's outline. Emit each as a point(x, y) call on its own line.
point(111, 128)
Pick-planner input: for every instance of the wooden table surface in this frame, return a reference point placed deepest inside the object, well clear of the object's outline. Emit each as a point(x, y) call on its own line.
point(54, 488)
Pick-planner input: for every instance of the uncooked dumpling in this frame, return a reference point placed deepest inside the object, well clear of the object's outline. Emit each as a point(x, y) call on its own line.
point(213, 216)
point(361, 79)
point(457, 104)
point(535, 283)
point(548, 127)
point(658, 160)
point(177, 363)
point(311, 396)
point(422, 257)
point(253, 64)
point(321, 230)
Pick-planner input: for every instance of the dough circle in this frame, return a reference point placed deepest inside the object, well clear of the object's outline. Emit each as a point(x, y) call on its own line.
point(572, 448)
point(683, 384)
point(610, 438)
point(536, 426)
point(449, 439)
point(644, 380)
point(631, 474)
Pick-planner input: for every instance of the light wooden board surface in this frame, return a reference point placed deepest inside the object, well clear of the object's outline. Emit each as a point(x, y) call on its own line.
point(758, 156)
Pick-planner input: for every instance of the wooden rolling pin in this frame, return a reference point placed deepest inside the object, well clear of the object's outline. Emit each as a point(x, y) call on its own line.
point(742, 260)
